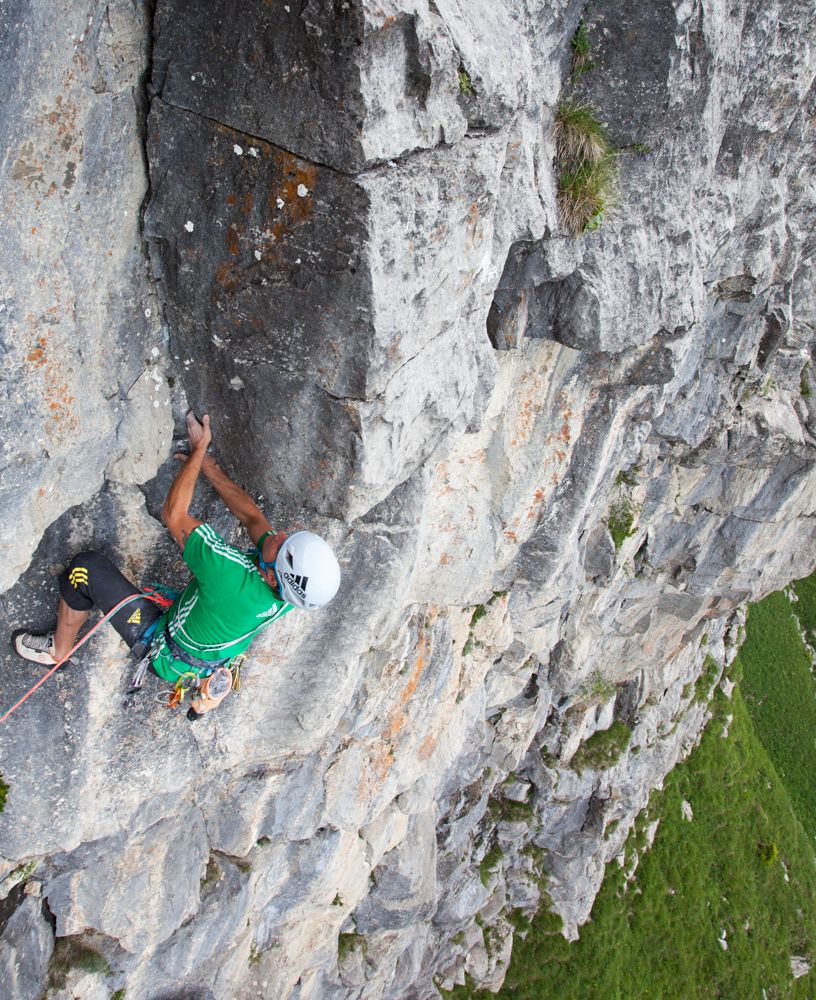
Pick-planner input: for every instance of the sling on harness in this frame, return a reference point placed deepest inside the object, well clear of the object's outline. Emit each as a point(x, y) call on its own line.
point(165, 597)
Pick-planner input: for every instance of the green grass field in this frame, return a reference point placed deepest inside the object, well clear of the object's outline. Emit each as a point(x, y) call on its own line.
point(780, 692)
point(744, 866)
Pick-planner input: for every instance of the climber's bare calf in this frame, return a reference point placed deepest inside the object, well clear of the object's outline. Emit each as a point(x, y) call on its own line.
point(90, 580)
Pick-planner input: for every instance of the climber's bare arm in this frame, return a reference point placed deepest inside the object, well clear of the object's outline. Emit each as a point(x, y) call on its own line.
point(237, 500)
point(176, 511)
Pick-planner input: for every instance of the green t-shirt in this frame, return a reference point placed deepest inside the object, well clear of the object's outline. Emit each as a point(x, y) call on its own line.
point(222, 608)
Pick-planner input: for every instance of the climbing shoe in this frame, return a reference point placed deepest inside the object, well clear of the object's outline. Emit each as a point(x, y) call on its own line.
point(38, 648)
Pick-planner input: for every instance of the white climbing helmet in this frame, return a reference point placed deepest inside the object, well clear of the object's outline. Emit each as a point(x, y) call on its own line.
point(307, 570)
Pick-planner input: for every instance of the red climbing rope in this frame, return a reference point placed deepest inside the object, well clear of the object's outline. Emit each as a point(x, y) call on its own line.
point(82, 641)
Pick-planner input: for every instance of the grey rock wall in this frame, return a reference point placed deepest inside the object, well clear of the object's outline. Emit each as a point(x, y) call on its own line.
point(350, 253)
point(79, 324)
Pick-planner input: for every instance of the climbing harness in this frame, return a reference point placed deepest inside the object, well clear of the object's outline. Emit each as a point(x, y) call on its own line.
point(128, 600)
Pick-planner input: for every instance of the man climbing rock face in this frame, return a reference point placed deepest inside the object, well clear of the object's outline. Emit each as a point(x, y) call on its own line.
point(231, 597)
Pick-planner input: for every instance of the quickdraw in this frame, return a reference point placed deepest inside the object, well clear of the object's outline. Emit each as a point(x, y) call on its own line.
point(180, 689)
point(213, 685)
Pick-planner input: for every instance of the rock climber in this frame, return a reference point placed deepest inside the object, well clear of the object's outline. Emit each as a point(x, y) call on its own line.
point(231, 597)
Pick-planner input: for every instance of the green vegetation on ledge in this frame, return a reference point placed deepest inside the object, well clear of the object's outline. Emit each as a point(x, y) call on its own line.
point(71, 953)
point(582, 61)
point(465, 83)
point(603, 749)
point(490, 862)
point(621, 520)
point(804, 382)
point(347, 943)
point(704, 684)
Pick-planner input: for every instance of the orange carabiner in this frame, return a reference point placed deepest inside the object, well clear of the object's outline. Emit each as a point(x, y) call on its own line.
point(175, 698)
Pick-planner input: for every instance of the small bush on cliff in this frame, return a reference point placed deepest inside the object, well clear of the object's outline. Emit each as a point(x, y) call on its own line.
point(71, 953)
point(465, 83)
point(596, 689)
point(3, 793)
point(704, 685)
point(603, 749)
point(767, 852)
point(582, 61)
point(347, 943)
point(490, 862)
point(627, 477)
point(587, 164)
point(804, 382)
point(621, 520)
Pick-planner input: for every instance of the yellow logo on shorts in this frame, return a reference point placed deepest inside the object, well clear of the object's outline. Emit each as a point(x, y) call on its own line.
point(136, 617)
point(77, 576)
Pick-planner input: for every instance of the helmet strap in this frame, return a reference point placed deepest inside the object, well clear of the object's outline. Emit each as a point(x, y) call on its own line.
point(265, 567)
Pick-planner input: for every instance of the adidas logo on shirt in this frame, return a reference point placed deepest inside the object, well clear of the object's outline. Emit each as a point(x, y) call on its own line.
point(297, 583)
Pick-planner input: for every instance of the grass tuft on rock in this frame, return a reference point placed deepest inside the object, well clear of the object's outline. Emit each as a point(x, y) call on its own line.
point(587, 165)
point(3, 793)
point(347, 943)
point(466, 88)
point(586, 194)
point(579, 134)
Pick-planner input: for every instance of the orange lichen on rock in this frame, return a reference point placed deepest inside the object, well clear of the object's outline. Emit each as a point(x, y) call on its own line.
point(427, 747)
point(228, 276)
point(291, 203)
point(382, 752)
point(296, 174)
point(37, 356)
point(233, 244)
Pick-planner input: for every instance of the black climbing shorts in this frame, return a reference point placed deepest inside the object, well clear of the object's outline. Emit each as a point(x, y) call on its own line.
point(91, 580)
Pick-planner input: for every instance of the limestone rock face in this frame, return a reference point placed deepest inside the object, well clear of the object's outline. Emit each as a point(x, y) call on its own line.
point(554, 468)
point(79, 325)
